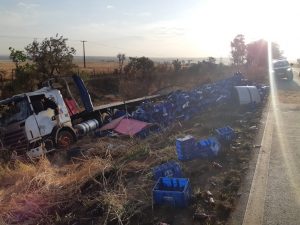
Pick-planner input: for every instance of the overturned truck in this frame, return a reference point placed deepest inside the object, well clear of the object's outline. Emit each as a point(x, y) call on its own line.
point(38, 122)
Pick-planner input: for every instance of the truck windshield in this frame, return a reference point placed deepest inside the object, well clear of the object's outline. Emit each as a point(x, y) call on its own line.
point(14, 111)
point(280, 64)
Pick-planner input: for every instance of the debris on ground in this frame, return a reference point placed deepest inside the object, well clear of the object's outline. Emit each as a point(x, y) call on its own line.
point(209, 193)
point(211, 200)
point(201, 216)
point(256, 146)
point(253, 128)
point(217, 165)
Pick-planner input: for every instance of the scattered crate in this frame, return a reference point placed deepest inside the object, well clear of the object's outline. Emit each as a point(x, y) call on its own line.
point(169, 169)
point(186, 148)
point(208, 148)
point(175, 192)
point(225, 134)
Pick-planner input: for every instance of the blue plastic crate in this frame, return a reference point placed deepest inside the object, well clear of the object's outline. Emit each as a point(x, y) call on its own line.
point(203, 149)
point(215, 145)
point(174, 192)
point(185, 148)
point(208, 148)
point(169, 169)
point(226, 134)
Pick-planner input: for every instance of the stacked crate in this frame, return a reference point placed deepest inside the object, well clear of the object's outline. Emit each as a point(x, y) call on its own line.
point(169, 169)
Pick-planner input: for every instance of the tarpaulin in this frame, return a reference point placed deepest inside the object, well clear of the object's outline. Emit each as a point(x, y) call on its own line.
point(126, 126)
point(112, 124)
point(130, 126)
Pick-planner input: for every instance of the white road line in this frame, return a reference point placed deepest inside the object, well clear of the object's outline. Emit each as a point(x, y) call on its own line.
point(254, 213)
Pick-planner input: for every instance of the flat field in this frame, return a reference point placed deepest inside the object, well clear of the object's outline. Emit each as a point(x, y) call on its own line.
point(98, 67)
point(91, 67)
point(7, 66)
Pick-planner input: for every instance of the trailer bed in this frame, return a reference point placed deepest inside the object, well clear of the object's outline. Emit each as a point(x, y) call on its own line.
point(121, 103)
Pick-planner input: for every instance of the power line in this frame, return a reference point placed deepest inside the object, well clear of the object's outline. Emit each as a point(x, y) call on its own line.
point(83, 46)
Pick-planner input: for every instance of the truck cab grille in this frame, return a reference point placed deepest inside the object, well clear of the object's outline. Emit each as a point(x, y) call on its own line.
point(15, 140)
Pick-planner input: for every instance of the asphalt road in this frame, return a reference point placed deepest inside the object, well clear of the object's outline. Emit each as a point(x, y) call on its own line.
point(271, 193)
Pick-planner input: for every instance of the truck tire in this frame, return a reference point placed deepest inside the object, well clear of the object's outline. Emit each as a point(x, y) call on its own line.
point(65, 139)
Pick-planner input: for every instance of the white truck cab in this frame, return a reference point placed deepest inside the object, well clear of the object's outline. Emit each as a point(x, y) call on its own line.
point(28, 125)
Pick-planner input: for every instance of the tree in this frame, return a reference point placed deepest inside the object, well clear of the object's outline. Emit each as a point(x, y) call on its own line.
point(212, 60)
point(257, 52)
point(177, 65)
point(238, 50)
point(121, 58)
point(276, 52)
point(17, 57)
point(25, 73)
point(143, 65)
point(52, 56)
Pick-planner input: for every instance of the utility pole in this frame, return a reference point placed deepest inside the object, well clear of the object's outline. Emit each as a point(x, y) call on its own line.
point(83, 52)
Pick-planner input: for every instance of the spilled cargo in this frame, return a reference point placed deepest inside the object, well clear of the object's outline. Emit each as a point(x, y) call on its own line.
point(175, 192)
point(188, 149)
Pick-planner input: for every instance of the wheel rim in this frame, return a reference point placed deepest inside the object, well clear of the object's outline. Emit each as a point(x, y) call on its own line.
point(65, 139)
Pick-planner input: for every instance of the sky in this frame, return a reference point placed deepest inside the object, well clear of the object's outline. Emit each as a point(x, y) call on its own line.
point(156, 28)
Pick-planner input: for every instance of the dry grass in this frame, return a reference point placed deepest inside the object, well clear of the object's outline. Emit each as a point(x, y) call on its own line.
point(98, 67)
point(43, 193)
point(29, 192)
point(7, 67)
point(91, 67)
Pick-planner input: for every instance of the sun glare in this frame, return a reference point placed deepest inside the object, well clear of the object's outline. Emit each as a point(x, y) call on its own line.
point(270, 20)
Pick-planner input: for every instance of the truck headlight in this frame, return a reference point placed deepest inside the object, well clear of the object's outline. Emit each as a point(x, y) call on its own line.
point(289, 69)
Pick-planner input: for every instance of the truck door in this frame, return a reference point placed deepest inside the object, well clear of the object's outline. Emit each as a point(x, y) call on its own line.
point(45, 119)
point(31, 127)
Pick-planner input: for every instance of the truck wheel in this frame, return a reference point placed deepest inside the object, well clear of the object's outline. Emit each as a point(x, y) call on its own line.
point(65, 139)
